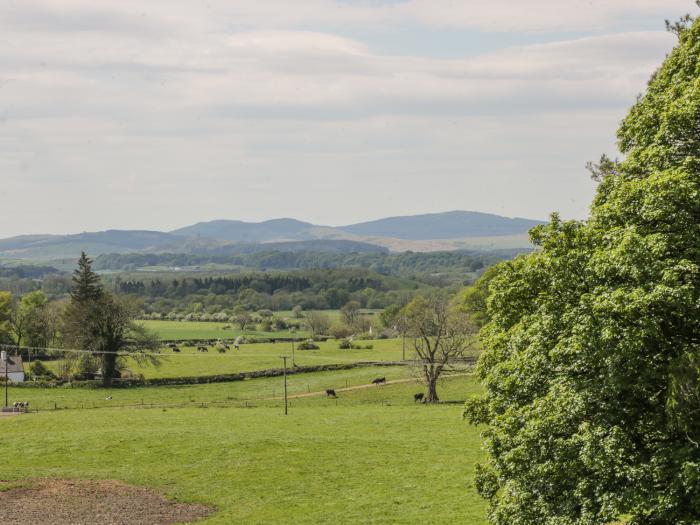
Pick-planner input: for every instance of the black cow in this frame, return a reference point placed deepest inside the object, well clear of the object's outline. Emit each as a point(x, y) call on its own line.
point(176, 349)
point(418, 397)
point(331, 393)
point(379, 381)
point(202, 349)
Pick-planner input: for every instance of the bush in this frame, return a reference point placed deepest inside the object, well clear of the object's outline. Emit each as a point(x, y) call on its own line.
point(340, 331)
point(307, 345)
point(40, 371)
point(346, 344)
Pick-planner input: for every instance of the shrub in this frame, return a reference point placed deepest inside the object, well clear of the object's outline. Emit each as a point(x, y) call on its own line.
point(340, 331)
point(345, 344)
point(308, 345)
point(40, 371)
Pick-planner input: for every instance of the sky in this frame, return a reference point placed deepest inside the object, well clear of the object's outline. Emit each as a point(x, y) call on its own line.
point(125, 114)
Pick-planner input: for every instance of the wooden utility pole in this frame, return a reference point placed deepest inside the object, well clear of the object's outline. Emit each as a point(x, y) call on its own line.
point(285, 385)
point(5, 357)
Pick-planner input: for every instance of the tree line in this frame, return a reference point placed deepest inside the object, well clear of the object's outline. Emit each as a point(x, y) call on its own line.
point(311, 289)
point(456, 264)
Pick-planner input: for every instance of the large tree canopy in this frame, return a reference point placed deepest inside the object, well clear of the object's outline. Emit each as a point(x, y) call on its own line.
point(591, 355)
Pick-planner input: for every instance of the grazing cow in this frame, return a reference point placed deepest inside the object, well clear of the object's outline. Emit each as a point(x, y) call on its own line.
point(418, 397)
point(235, 346)
point(108, 398)
point(175, 349)
point(227, 347)
point(202, 349)
point(20, 406)
point(331, 393)
point(221, 349)
point(379, 381)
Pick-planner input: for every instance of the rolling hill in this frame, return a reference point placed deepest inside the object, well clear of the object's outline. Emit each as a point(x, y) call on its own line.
point(429, 232)
point(448, 225)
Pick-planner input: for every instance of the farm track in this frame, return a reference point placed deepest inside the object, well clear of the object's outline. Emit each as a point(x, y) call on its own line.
point(354, 387)
point(237, 402)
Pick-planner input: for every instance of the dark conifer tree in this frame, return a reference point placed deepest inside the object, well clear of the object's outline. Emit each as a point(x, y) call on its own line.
point(86, 283)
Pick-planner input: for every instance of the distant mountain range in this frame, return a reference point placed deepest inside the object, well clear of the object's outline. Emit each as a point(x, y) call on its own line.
point(428, 232)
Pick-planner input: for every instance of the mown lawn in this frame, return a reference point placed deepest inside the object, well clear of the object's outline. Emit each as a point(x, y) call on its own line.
point(355, 462)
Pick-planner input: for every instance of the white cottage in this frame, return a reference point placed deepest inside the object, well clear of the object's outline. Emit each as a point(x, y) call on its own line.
point(15, 369)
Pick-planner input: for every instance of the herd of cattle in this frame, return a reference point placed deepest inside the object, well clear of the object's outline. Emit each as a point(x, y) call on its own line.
point(222, 348)
point(417, 398)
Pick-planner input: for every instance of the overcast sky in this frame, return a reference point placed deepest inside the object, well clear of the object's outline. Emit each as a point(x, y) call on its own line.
point(157, 114)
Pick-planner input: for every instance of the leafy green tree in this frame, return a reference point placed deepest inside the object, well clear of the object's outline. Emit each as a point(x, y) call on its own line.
point(29, 322)
point(297, 312)
point(474, 297)
point(105, 325)
point(6, 318)
point(242, 317)
point(390, 315)
point(591, 357)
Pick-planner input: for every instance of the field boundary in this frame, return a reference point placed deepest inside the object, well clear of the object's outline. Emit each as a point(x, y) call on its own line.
point(249, 402)
point(223, 378)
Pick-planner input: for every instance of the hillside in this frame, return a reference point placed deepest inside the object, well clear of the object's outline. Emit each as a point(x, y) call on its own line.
point(227, 230)
point(449, 225)
point(456, 230)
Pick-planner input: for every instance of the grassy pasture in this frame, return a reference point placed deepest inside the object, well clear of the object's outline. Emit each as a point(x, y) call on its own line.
point(261, 356)
point(255, 391)
point(181, 330)
point(358, 461)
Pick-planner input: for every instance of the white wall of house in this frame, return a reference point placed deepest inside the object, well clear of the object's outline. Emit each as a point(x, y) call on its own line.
point(16, 377)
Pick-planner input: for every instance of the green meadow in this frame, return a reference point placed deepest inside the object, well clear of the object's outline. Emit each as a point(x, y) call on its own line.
point(251, 392)
point(180, 330)
point(372, 456)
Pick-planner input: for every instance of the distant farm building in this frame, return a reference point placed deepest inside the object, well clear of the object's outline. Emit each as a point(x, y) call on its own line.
point(15, 369)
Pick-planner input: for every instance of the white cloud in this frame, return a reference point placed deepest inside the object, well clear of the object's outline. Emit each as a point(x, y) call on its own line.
point(242, 110)
point(488, 15)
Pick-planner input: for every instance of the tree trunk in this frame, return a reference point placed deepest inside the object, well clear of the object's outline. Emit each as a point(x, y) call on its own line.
point(109, 362)
point(432, 390)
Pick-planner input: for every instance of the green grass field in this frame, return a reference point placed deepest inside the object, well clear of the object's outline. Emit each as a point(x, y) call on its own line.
point(261, 356)
point(181, 330)
point(239, 393)
point(372, 457)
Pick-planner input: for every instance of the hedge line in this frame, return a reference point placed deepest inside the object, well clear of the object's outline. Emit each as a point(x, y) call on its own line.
point(200, 380)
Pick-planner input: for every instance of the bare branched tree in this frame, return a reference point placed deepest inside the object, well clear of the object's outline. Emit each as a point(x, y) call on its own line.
point(318, 323)
point(441, 333)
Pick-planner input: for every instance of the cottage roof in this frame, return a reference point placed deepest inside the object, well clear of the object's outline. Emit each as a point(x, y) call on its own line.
point(14, 364)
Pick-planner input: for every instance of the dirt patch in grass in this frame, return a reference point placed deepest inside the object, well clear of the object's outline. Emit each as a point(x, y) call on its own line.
point(77, 502)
